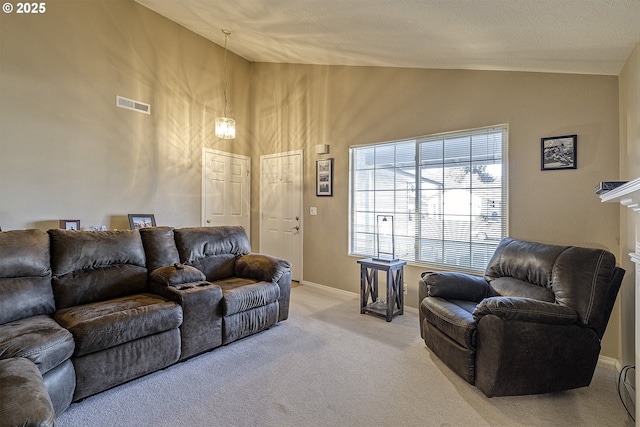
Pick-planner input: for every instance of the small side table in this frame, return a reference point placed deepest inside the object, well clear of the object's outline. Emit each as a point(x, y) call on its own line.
point(369, 269)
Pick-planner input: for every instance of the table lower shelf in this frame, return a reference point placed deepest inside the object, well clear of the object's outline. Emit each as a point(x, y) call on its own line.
point(376, 309)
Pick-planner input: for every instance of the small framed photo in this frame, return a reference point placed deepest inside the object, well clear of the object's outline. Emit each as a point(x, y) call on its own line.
point(141, 221)
point(559, 152)
point(324, 177)
point(70, 224)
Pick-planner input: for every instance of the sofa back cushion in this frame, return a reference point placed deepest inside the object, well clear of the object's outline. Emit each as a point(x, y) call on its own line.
point(25, 275)
point(159, 247)
point(91, 266)
point(212, 250)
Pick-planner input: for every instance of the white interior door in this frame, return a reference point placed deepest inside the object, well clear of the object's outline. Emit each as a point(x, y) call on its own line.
point(226, 197)
point(281, 208)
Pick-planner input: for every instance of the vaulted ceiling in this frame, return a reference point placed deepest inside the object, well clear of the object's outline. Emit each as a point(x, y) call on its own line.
point(566, 36)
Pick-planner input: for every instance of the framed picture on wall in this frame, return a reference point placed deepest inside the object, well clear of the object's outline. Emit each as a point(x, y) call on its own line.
point(559, 152)
point(324, 177)
point(70, 224)
point(141, 221)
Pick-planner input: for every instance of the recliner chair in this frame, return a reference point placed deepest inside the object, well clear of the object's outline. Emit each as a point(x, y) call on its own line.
point(532, 324)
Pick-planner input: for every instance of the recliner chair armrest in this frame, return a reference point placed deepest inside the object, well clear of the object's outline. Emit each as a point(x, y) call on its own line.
point(460, 286)
point(261, 267)
point(525, 310)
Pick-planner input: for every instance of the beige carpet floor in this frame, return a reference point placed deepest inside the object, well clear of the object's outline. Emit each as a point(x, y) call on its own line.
point(328, 365)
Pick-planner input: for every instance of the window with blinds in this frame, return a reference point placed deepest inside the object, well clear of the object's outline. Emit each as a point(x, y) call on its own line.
point(447, 194)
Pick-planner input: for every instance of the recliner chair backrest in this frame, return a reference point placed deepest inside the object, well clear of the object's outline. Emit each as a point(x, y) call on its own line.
point(587, 280)
point(584, 279)
point(530, 262)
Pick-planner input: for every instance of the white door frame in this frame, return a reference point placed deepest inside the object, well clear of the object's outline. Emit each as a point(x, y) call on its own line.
point(206, 151)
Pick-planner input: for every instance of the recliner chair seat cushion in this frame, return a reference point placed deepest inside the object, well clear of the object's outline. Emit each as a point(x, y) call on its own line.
point(240, 295)
point(39, 339)
point(453, 318)
point(105, 324)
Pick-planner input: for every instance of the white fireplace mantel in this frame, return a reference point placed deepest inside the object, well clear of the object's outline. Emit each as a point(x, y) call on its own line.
point(627, 195)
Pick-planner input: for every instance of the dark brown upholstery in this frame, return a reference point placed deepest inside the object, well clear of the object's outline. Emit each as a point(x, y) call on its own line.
point(26, 305)
point(226, 291)
point(84, 311)
point(255, 287)
point(24, 400)
point(533, 324)
point(100, 286)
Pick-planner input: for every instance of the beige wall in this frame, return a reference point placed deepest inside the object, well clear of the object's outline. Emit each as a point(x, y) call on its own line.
point(299, 106)
point(67, 152)
point(629, 221)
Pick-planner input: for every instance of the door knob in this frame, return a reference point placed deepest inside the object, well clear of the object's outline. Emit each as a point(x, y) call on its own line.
point(209, 221)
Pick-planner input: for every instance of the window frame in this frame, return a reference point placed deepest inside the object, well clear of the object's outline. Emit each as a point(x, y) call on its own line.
point(478, 252)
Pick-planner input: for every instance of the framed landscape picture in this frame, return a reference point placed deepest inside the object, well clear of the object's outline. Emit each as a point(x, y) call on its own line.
point(559, 152)
point(141, 221)
point(324, 177)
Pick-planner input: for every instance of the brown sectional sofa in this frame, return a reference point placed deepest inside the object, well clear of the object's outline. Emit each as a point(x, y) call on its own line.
point(92, 310)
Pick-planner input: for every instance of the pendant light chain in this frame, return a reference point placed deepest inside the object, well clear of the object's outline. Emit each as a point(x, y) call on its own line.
point(225, 126)
point(226, 34)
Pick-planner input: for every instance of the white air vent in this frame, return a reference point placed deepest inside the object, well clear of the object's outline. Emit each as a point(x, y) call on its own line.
point(130, 104)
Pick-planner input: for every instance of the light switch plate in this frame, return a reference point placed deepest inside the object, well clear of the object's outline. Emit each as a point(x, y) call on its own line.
point(313, 210)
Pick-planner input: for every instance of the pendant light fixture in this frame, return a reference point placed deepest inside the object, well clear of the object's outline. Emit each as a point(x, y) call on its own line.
point(225, 126)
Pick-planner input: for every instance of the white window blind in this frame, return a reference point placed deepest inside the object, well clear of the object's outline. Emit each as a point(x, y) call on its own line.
point(447, 194)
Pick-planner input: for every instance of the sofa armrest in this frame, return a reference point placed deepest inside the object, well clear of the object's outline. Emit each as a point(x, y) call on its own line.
point(449, 285)
point(525, 310)
point(201, 328)
point(176, 274)
point(261, 267)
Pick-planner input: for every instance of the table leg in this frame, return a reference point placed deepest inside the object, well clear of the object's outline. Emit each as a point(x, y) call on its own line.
point(390, 295)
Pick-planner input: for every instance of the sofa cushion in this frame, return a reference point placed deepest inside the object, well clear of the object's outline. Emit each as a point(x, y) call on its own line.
point(176, 274)
point(39, 339)
point(245, 323)
point(90, 266)
point(105, 324)
point(25, 275)
point(212, 250)
point(453, 317)
point(200, 242)
point(24, 297)
point(24, 400)
point(244, 294)
point(159, 247)
point(24, 253)
point(261, 267)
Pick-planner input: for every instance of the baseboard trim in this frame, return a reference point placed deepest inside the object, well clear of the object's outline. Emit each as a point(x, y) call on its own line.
point(614, 364)
point(336, 291)
point(609, 363)
point(604, 361)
